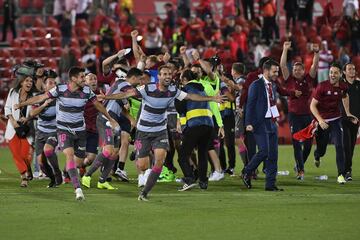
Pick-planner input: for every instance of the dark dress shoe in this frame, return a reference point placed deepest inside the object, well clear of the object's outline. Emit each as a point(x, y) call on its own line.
point(274, 189)
point(246, 180)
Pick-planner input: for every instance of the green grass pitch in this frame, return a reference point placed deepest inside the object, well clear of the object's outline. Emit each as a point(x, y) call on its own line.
point(310, 209)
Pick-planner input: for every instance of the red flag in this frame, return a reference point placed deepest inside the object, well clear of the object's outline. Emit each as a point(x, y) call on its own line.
point(306, 133)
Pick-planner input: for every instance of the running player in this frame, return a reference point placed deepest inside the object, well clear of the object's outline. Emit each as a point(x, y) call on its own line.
point(71, 100)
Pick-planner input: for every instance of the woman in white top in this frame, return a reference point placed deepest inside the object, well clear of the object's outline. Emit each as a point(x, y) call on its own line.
point(19, 128)
point(154, 37)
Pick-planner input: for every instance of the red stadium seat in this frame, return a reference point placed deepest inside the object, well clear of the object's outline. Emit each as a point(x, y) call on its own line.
point(27, 33)
point(24, 4)
point(76, 52)
point(4, 53)
point(55, 33)
point(39, 32)
point(26, 20)
point(55, 42)
point(17, 53)
point(81, 23)
point(44, 52)
point(56, 51)
point(6, 73)
point(1, 3)
point(82, 32)
point(38, 4)
point(6, 63)
point(45, 61)
point(52, 64)
point(42, 42)
point(15, 43)
point(52, 22)
point(74, 43)
point(31, 52)
point(28, 43)
point(38, 23)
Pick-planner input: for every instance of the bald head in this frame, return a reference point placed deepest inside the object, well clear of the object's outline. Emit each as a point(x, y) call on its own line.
point(91, 81)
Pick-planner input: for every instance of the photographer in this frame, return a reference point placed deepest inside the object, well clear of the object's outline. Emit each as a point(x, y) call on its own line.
point(19, 128)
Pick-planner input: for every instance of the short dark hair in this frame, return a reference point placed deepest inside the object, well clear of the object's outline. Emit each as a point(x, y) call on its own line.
point(75, 71)
point(268, 64)
point(239, 67)
point(163, 67)
point(263, 60)
point(134, 72)
point(335, 65)
point(189, 75)
point(49, 73)
point(347, 64)
point(299, 64)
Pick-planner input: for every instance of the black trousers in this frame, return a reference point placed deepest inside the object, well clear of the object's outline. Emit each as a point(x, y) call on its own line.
point(290, 16)
point(269, 28)
point(322, 140)
point(198, 136)
point(248, 4)
point(229, 141)
point(301, 149)
point(350, 131)
point(7, 22)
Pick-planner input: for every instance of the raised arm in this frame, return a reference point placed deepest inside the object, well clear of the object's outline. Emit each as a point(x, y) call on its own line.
point(283, 60)
point(121, 95)
point(38, 110)
point(206, 66)
point(34, 100)
point(184, 57)
point(135, 46)
point(110, 61)
point(315, 63)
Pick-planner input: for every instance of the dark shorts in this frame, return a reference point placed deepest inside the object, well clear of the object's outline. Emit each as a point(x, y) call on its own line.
point(171, 126)
point(106, 134)
point(42, 138)
point(214, 138)
point(124, 123)
point(239, 126)
point(146, 141)
point(92, 142)
point(76, 141)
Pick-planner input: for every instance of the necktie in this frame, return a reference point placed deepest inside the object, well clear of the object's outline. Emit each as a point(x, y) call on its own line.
point(271, 97)
point(271, 100)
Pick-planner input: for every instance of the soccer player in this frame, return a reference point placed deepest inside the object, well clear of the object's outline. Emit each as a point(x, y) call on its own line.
point(71, 99)
point(90, 115)
point(299, 110)
point(46, 137)
point(325, 106)
point(109, 139)
point(151, 126)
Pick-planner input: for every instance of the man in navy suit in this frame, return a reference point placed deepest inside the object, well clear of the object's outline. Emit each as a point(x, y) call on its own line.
point(260, 116)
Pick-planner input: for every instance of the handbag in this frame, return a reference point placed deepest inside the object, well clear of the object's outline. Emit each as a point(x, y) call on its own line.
point(23, 130)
